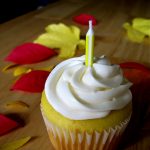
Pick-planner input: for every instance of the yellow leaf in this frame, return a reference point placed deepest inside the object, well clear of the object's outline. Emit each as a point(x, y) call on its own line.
point(48, 68)
point(15, 144)
point(76, 31)
point(21, 70)
point(60, 28)
point(67, 51)
point(61, 36)
point(133, 34)
point(142, 25)
point(10, 66)
point(81, 45)
point(16, 106)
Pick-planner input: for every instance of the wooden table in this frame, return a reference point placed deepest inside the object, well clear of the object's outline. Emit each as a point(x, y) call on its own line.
point(110, 40)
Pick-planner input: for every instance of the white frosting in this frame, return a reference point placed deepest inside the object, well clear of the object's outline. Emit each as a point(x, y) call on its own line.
point(79, 92)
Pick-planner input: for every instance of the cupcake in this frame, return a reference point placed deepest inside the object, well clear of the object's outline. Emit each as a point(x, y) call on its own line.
point(86, 108)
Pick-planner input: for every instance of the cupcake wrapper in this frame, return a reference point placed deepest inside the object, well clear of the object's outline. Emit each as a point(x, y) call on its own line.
point(63, 139)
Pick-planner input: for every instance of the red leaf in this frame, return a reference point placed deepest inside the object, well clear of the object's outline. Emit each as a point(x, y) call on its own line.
point(134, 65)
point(135, 72)
point(31, 82)
point(29, 53)
point(136, 75)
point(84, 19)
point(139, 75)
point(7, 124)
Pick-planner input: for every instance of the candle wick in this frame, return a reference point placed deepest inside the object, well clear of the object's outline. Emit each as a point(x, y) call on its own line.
point(90, 24)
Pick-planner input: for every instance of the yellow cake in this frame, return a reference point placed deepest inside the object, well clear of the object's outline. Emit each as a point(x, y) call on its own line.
point(113, 119)
point(86, 107)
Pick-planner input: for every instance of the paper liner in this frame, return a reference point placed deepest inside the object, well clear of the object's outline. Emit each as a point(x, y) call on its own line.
point(63, 139)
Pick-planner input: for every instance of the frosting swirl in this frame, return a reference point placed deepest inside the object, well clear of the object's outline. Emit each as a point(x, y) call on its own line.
point(79, 92)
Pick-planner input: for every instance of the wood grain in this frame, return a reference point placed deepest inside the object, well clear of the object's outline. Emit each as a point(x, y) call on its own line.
point(110, 40)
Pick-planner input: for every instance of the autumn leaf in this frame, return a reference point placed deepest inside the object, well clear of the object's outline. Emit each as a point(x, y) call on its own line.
point(134, 65)
point(142, 25)
point(47, 68)
point(133, 34)
point(7, 124)
point(136, 72)
point(21, 70)
point(8, 67)
point(14, 145)
point(66, 38)
point(16, 106)
point(29, 53)
point(84, 19)
point(138, 29)
point(31, 82)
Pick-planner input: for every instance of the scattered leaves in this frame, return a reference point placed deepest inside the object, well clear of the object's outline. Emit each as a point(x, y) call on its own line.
point(48, 68)
point(29, 53)
point(134, 65)
point(84, 19)
point(135, 72)
point(31, 82)
point(10, 66)
point(138, 30)
point(133, 34)
point(14, 145)
point(142, 25)
point(21, 70)
point(66, 38)
point(7, 124)
point(139, 75)
point(16, 106)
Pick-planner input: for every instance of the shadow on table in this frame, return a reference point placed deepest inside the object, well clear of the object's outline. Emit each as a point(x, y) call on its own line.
point(140, 120)
point(10, 9)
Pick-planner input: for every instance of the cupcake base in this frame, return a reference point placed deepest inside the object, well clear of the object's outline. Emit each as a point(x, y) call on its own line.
point(63, 139)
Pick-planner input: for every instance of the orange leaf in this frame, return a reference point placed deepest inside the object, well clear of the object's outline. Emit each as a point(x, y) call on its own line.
point(49, 68)
point(21, 70)
point(16, 106)
point(10, 66)
point(15, 144)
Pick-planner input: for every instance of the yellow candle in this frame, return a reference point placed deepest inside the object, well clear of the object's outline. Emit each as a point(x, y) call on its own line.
point(89, 46)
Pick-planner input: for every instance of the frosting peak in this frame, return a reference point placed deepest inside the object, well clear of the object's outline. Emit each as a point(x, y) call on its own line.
point(79, 92)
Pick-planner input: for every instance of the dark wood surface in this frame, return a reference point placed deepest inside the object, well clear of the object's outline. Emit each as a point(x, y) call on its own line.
point(110, 39)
